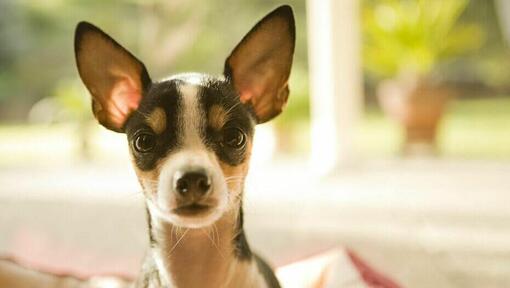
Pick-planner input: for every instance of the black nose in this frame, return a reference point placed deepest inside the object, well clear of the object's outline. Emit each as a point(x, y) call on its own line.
point(192, 184)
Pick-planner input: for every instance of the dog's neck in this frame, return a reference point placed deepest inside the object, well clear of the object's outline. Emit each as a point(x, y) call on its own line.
point(216, 256)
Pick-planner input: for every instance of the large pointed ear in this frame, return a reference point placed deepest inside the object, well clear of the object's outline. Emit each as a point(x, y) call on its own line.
point(259, 66)
point(114, 77)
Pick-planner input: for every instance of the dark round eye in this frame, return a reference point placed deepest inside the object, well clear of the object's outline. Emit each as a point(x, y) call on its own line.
point(234, 138)
point(144, 142)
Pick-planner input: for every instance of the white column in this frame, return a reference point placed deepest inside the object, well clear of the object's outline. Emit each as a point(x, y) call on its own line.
point(503, 10)
point(335, 80)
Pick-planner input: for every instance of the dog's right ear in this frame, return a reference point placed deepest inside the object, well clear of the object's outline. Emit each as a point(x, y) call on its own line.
point(260, 64)
point(114, 77)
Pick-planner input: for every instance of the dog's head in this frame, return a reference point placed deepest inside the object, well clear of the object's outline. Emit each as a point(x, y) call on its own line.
point(190, 135)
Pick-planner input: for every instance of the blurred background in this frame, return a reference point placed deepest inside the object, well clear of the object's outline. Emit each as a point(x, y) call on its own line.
point(395, 141)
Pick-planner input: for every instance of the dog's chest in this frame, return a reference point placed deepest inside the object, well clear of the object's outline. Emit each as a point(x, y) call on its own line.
point(244, 274)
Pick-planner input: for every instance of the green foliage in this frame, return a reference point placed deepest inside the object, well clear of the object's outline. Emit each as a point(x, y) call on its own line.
point(72, 101)
point(415, 36)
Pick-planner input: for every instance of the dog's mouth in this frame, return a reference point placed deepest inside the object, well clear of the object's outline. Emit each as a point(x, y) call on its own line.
point(192, 213)
point(193, 209)
point(189, 215)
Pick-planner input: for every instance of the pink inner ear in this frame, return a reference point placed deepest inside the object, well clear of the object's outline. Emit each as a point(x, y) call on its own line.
point(250, 90)
point(124, 99)
point(245, 96)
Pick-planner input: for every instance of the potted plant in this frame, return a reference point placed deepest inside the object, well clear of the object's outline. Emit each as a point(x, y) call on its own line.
point(405, 44)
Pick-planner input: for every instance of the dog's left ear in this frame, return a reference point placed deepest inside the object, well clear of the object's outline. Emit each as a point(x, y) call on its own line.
point(260, 64)
point(115, 78)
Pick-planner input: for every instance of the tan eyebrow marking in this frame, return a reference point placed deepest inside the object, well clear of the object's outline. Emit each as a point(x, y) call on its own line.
point(217, 117)
point(157, 120)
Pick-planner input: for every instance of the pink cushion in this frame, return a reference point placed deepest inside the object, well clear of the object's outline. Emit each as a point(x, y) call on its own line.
point(334, 268)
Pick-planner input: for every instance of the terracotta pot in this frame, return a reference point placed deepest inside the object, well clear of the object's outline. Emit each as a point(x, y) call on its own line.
point(418, 106)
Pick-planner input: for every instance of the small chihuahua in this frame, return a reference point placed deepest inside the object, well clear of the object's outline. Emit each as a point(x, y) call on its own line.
point(190, 138)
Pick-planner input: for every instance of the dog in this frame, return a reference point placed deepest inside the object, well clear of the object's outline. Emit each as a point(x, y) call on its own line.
point(190, 137)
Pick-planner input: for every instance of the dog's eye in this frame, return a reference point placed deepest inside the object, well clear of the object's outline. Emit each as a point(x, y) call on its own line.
point(144, 142)
point(234, 138)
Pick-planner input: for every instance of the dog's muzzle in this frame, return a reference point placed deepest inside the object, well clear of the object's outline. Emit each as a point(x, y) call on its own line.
point(192, 191)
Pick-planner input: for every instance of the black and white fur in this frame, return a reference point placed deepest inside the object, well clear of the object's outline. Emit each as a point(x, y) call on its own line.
point(190, 139)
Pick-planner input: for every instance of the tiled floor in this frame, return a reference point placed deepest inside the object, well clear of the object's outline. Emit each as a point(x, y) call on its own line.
point(427, 223)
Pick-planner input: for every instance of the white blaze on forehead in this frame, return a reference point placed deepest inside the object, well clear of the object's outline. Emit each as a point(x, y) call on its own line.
point(192, 116)
point(190, 78)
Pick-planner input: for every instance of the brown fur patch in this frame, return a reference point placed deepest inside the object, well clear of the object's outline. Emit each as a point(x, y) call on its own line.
point(147, 179)
point(235, 175)
point(217, 117)
point(157, 120)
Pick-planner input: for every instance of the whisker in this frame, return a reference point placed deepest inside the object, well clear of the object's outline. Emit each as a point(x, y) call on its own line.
point(232, 108)
point(234, 182)
point(238, 232)
point(233, 199)
point(178, 241)
point(235, 176)
point(214, 244)
point(172, 232)
point(217, 233)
